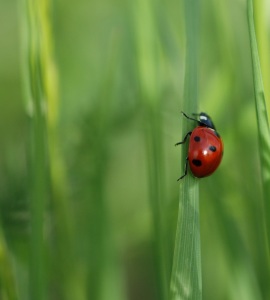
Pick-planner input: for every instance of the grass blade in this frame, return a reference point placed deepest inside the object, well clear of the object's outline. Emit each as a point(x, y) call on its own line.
point(186, 272)
point(39, 158)
point(260, 19)
point(262, 118)
point(48, 180)
point(148, 51)
point(7, 277)
point(263, 134)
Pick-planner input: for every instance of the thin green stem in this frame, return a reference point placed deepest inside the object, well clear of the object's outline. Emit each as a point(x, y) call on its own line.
point(260, 20)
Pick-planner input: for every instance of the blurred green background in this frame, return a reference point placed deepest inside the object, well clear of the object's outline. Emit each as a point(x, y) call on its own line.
point(121, 74)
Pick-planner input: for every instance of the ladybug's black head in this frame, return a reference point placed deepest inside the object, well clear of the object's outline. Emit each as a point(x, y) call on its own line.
point(206, 121)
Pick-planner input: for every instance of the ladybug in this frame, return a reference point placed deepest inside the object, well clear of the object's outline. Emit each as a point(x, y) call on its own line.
point(205, 147)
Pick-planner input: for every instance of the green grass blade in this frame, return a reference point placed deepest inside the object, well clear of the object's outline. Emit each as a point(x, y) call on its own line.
point(38, 159)
point(262, 118)
point(65, 268)
point(149, 65)
point(7, 277)
point(260, 19)
point(48, 180)
point(186, 272)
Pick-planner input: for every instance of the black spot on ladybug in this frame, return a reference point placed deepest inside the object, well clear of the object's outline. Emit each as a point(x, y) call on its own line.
point(197, 138)
point(197, 162)
point(213, 148)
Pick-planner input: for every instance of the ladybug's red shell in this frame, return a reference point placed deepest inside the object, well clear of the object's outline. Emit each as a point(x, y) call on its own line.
point(205, 151)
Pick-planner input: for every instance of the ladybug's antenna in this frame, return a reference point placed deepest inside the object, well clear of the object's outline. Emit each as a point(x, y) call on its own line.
point(189, 117)
point(204, 120)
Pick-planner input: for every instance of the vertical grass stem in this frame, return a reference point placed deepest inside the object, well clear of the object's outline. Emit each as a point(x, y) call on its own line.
point(186, 273)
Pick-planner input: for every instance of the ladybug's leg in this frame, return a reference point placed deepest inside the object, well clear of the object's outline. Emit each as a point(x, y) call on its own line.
point(184, 140)
point(185, 173)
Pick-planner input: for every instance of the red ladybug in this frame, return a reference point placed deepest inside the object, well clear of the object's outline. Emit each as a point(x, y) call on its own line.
point(205, 147)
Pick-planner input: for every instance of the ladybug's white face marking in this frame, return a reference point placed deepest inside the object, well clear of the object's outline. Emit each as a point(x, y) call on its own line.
point(206, 121)
point(204, 118)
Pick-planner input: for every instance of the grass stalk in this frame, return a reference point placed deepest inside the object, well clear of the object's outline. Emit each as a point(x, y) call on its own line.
point(260, 22)
point(147, 42)
point(39, 155)
point(7, 276)
point(261, 113)
point(47, 165)
point(186, 272)
point(263, 130)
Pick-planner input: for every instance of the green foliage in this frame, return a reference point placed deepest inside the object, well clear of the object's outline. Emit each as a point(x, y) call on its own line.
point(88, 169)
